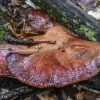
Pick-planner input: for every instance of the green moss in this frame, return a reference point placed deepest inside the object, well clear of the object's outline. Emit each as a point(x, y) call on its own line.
point(1, 29)
point(1, 34)
point(86, 32)
point(76, 21)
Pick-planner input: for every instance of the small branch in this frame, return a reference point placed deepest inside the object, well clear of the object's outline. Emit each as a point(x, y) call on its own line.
point(16, 92)
point(87, 88)
point(26, 42)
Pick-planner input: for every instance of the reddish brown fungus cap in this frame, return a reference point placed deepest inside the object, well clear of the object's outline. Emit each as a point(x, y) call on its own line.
point(4, 50)
point(56, 68)
point(40, 20)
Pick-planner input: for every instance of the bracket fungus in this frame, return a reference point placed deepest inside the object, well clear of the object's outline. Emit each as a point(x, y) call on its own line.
point(75, 60)
point(68, 61)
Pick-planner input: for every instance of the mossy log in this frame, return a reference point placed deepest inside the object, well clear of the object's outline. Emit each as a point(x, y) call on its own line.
point(72, 17)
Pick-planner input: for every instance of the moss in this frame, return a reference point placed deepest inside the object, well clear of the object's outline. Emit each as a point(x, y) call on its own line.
point(1, 29)
point(86, 33)
point(2, 33)
point(76, 21)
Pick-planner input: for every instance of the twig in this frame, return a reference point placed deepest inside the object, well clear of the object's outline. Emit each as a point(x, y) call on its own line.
point(87, 88)
point(16, 92)
point(26, 42)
